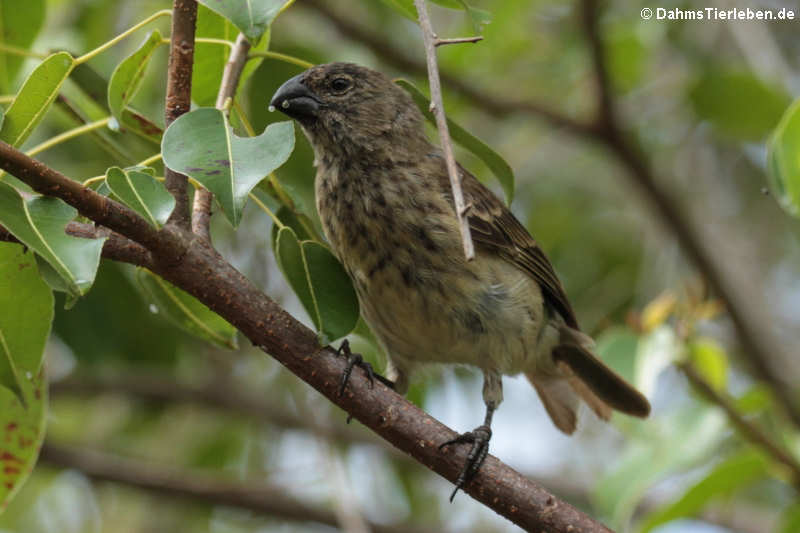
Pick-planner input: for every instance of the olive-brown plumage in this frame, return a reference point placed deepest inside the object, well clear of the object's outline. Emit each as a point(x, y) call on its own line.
point(385, 203)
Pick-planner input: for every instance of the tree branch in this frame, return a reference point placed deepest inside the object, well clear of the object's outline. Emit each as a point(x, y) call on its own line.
point(179, 95)
point(437, 107)
point(746, 428)
point(199, 270)
point(756, 347)
point(260, 498)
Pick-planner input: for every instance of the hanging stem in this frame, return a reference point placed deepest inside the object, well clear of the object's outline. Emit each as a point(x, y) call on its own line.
point(105, 46)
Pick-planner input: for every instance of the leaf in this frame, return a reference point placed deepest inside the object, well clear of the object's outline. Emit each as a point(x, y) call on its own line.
point(738, 104)
point(321, 284)
point(142, 126)
point(201, 144)
point(127, 77)
point(22, 428)
point(725, 478)
point(35, 97)
point(297, 221)
point(790, 520)
point(18, 27)
point(492, 159)
point(210, 59)
point(478, 17)
point(142, 193)
point(24, 332)
point(252, 17)
point(39, 223)
point(783, 169)
point(658, 311)
point(187, 312)
point(711, 362)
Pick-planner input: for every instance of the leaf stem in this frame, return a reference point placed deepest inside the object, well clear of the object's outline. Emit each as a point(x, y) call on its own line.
point(105, 46)
point(149, 161)
point(17, 51)
point(267, 210)
point(210, 40)
point(67, 135)
point(281, 57)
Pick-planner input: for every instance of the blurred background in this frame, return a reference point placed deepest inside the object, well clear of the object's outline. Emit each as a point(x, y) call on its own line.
point(141, 412)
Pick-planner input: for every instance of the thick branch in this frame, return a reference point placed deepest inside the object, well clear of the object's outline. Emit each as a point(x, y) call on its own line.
point(179, 94)
point(260, 498)
point(437, 107)
point(757, 347)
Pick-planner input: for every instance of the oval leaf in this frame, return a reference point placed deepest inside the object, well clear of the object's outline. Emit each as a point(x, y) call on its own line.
point(320, 282)
point(24, 332)
point(142, 193)
point(34, 98)
point(39, 223)
point(23, 432)
point(128, 75)
point(187, 312)
point(710, 361)
point(18, 27)
point(738, 104)
point(492, 159)
point(251, 17)
point(201, 144)
point(783, 168)
point(728, 476)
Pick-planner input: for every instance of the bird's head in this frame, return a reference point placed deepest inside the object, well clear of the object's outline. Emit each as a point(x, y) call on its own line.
point(349, 109)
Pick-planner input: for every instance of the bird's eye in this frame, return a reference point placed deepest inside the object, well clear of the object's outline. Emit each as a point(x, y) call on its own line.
point(340, 85)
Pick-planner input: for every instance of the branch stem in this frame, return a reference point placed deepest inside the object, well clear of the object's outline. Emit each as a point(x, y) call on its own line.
point(105, 46)
point(437, 108)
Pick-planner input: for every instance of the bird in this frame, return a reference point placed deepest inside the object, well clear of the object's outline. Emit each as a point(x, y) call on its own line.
point(386, 206)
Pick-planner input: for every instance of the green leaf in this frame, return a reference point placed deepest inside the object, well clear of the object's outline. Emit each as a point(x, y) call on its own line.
point(724, 479)
point(299, 223)
point(478, 17)
point(492, 159)
point(142, 193)
point(23, 429)
point(18, 27)
point(187, 312)
point(321, 284)
point(142, 126)
point(128, 75)
point(252, 17)
point(39, 223)
point(34, 98)
point(711, 362)
point(23, 332)
point(210, 59)
point(738, 104)
point(790, 520)
point(783, 169)
point(201, 144)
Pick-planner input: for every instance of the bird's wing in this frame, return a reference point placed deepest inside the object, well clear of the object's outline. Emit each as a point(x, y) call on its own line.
point(496, 229)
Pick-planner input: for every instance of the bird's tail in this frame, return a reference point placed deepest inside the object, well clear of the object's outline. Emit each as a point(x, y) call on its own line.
point(583, 376)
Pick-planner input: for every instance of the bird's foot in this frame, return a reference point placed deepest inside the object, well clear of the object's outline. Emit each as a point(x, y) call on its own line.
point(353, 360)
point(479, 438)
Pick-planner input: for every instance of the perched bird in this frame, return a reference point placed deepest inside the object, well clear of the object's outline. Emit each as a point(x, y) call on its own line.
point(386, 207)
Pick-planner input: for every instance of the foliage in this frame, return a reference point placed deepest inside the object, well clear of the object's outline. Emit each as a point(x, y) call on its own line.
point(95, 113)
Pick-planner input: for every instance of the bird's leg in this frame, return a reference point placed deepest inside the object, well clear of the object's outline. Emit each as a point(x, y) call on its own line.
point(353, 359)
point(480, 436)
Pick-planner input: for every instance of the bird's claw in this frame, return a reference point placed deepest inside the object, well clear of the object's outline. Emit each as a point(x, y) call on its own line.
point(353, 359)
point(479, 438)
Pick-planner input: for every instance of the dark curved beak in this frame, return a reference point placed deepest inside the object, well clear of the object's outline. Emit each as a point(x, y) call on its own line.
point(293, 98)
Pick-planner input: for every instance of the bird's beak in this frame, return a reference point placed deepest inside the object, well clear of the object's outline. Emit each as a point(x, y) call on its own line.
point(296, 100)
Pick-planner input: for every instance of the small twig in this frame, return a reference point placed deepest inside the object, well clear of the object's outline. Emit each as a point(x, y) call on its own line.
point(201, 210)
point(258, 497)
point(437, 108)
point(458, 40)
point(179, 96)
point(746, 428)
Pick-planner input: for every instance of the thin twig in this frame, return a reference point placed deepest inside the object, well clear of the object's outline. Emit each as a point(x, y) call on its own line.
point(746, 428)
point(258, 497)
point(179, 96)
point(437, 108)
point(201, 210)
point(458, 40)
point(757, 347)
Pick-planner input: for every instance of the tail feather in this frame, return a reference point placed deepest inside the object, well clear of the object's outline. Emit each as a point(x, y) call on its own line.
point(606, 384)
point(559, 400)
